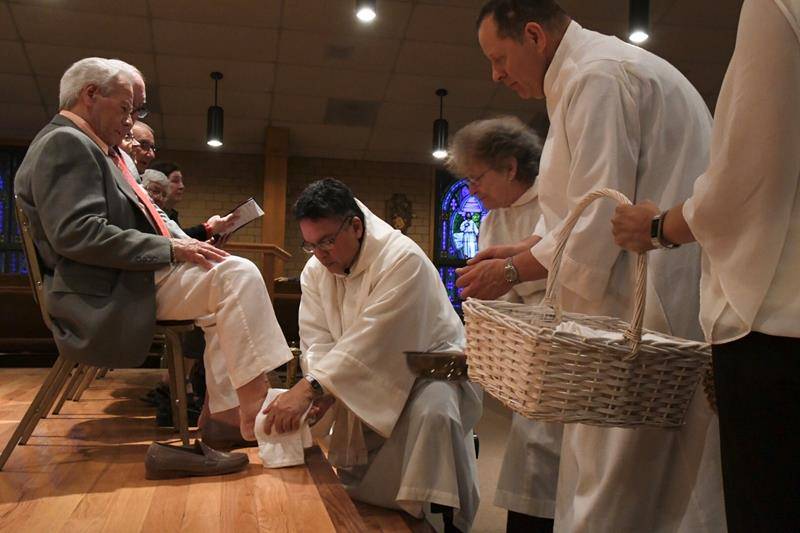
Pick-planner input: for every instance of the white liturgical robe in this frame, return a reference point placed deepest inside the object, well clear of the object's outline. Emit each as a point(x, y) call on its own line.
point(621, 117)
point(745, 209)
point(354, 329)
point(529, 473)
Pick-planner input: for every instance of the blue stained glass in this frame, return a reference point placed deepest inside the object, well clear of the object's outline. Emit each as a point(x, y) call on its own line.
point(461, 216)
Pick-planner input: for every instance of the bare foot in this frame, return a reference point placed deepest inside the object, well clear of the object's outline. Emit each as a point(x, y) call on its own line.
point(251, 397)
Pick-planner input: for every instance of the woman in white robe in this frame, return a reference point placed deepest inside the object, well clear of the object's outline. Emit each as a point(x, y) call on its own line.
point(500, 159)
point(745, 213)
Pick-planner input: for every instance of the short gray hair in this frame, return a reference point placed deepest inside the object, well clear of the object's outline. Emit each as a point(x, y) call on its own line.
point(144, 125)
point(154, 176)
point(493, 141)
point(90, 70)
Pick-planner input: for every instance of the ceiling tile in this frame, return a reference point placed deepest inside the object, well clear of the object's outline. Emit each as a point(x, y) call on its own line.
point(419, 118)
point(329, 153)
point(443, 24)
point(338, 17)
point(401, 157)
point(51, 60)
point(186, 127)
point(335, 83)
point(215, 40)
point(48, 86)
point(706, 13)
point(243, 130)
point(394, 140)
point(263, 13)
point(315, 49)
point(608, 9)
point(109, 7)
point(422, 90)
point(16, 88)
point(7, 29)
point(298, 109)
point(184, 101)
point(438, 59)
point(70, 28)
point(324, 136)
point(14, 60)
point(195, 72)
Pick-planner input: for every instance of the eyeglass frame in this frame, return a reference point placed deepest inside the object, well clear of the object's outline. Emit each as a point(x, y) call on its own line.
point(476, 181)
point(141, 112)
point(146, 146)
point(326, 244)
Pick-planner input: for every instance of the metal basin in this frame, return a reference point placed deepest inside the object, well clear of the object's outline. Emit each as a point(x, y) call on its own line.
point(446, 366)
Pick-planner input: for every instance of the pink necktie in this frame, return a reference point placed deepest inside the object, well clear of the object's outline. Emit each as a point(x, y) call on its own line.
point(142, 195)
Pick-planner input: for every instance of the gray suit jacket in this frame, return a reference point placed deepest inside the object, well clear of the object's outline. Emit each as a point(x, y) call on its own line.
point(97, 248)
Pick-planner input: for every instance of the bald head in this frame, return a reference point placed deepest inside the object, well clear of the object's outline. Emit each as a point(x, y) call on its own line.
point(144, 149)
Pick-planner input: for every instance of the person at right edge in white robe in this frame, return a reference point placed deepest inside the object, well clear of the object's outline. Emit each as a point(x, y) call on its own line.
point(745, 214)
point(499, 157)
point(622, 118)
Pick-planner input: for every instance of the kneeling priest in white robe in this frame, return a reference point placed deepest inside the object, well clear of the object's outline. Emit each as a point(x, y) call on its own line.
point(369, 294)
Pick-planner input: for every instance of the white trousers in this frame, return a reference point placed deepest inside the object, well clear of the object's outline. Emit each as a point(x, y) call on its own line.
point(429, 457)
point(529, 474)
point(231, 304)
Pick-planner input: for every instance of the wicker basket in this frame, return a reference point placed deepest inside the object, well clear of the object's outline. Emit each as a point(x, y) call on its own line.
point(521, 356)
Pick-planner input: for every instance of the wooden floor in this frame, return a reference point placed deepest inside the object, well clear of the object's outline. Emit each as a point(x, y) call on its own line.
point(83, 470)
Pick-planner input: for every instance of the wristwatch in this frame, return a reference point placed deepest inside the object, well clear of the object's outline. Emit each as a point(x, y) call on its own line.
point(657, 238)
point(510, 271)
point(316, 386)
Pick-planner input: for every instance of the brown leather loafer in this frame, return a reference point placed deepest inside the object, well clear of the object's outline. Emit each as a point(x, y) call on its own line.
point(166, 462)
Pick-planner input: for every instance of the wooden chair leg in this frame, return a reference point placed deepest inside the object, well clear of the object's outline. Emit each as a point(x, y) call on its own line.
point(42, 402)
point(180, 417)
point(102, 373)
point(69, 390)
point(91, 372)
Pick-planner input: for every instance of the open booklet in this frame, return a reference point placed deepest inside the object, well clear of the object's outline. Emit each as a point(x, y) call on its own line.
point(248, 211)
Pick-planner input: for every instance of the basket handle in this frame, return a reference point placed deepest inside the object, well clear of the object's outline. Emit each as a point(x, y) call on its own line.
point(634, 332)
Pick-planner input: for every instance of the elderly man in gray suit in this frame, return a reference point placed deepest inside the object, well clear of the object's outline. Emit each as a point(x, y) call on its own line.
point(111, 265)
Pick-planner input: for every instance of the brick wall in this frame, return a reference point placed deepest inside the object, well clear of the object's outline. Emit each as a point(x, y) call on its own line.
point(216, 182)
point(373, 183)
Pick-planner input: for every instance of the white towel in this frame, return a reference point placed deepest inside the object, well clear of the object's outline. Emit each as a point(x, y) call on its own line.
point(281, 449)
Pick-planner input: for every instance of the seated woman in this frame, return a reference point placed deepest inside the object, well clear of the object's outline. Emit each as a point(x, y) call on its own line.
point(500, 159)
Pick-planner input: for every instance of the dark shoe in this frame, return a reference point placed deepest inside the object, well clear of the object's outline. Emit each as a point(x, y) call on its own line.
point(230, 444)
point(166, 462)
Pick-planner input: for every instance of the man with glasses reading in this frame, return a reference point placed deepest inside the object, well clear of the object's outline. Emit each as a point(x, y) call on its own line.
point(143, 149)
point(369, 294)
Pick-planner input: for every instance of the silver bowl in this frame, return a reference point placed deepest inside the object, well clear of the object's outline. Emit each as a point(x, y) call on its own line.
point(446, 366)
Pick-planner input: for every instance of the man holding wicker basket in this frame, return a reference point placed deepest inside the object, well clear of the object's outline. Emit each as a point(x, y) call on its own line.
point(624, 119)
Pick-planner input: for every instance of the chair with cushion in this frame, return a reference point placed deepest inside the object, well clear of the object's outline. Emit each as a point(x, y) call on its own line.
point(73, 378)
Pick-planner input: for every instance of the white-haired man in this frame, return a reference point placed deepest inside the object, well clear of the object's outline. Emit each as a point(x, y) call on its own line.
point(111, 266)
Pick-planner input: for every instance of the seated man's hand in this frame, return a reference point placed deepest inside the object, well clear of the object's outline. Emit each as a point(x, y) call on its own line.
point(198, 252)
point(285, 411)
point(485, 280)
point(224, 224)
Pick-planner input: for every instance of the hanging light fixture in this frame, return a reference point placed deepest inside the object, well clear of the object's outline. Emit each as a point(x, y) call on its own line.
point(366, 10)
point(440, 129)
point(639, 21)
point(215, 117)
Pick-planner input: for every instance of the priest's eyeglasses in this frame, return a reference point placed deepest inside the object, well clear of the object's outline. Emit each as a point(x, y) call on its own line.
point(326, 244)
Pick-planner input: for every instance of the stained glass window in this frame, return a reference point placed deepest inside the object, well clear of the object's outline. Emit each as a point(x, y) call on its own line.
point(12, 260)
point(458, 223)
